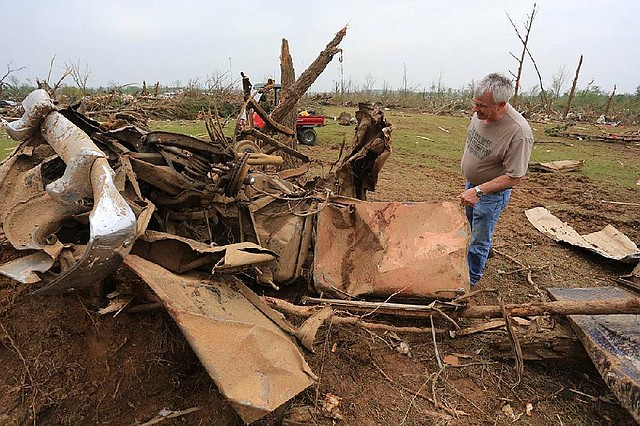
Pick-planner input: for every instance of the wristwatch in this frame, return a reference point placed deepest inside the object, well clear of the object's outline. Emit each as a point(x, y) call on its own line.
point(479, 192)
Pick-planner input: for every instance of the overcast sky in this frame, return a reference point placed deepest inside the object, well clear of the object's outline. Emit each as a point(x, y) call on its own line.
point(455, 42)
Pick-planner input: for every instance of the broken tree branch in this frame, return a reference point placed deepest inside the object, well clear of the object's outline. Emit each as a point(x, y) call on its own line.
point(613, 93)
point(271, 141)
point(525, 42)
point(515, 343)
point(307, 311)
point(270, 121)
point(582, 307)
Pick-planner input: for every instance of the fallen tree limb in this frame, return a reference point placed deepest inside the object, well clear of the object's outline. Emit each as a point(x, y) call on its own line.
point(267, 119)
point(271, 141)
point(384, 308)
point(559, 343)
point(307, 311)
point(582, 307)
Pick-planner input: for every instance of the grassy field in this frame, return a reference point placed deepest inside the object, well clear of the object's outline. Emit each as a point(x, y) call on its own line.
point(438, 141)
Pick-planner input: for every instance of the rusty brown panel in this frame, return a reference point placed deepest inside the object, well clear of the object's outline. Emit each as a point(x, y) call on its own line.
point(278, 229)
point(253, 362)
point(378, 248)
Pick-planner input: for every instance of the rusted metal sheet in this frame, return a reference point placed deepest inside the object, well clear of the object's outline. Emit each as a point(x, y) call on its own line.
point(608, 242)
point(612, 342)
point(252, 361)
point(377, 248)
point(285, 229)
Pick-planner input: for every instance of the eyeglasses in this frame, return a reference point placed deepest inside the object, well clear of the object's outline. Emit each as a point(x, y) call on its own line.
point(482, 106)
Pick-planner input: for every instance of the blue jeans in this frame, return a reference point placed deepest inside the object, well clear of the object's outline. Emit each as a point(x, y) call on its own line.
point(483, 218)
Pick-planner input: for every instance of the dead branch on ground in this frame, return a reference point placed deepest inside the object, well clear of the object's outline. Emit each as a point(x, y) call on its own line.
point(581, 307)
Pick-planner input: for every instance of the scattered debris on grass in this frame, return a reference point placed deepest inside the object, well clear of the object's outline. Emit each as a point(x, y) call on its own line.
point(608, 242)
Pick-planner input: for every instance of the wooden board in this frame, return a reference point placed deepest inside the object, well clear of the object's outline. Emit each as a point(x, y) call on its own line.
point(612, 342)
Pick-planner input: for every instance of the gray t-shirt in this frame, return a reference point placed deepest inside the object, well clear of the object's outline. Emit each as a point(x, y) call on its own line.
point(498, 148)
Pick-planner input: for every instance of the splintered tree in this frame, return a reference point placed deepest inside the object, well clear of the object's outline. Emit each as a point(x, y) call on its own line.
point(573, 89)
point(525, 50)
point(613, 93)
point(283, 117)
point(46, 84)
point(287, 78)
point(293, 93)
point(80, 76)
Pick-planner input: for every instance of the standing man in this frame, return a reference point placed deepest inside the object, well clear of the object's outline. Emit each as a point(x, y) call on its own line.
point(496, 157)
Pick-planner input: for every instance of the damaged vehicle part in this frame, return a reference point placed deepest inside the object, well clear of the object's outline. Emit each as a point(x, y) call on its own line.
point(252, 361)
point(379, 249)
point(44, 203)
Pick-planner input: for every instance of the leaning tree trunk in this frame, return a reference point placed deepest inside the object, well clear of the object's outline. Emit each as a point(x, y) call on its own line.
point(573, 89)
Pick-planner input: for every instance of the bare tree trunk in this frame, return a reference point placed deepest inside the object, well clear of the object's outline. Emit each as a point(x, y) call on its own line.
point(573, 89)
point(287, 79)
point(525, 41)
point(606, 110)
point(292, 94)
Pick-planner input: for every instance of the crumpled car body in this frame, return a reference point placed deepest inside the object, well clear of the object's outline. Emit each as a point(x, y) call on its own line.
point(74, 180)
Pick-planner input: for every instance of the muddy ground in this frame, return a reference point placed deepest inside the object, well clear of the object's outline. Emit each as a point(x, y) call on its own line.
point(62, 363)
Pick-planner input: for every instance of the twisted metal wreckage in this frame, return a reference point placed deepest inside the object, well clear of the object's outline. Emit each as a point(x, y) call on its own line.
point(190, 216)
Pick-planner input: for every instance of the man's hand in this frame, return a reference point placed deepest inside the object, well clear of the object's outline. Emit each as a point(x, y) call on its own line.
point(468, 198)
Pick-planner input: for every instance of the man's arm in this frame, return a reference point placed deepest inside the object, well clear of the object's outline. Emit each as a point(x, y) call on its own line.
point(470, 198)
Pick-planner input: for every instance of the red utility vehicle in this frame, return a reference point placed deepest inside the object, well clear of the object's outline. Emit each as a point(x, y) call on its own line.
point(305, 122)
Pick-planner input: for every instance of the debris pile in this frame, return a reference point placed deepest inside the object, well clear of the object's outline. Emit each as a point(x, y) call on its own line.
point(191, 216)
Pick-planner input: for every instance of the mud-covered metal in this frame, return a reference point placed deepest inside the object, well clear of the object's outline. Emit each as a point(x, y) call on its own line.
point(252, 361)
point(74, 179)
point(379, 249)
point(112, 230)
point(36, 107)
